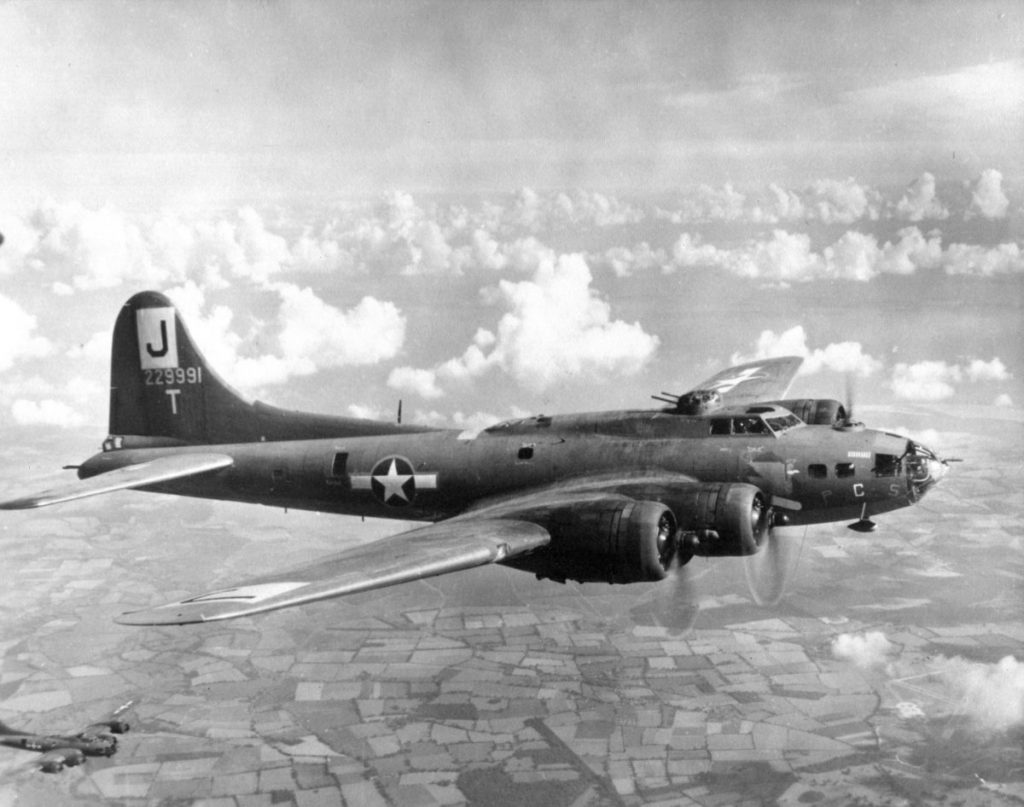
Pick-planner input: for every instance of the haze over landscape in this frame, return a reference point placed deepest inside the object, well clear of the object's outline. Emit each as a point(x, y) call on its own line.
point(492, 210)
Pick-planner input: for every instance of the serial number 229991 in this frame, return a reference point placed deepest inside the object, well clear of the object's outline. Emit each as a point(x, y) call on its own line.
point(173, 375)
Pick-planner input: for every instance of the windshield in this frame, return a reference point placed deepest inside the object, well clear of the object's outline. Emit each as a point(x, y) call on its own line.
point(783, 423)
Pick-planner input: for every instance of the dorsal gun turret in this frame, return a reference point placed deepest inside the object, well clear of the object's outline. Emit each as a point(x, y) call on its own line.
point(696, 402)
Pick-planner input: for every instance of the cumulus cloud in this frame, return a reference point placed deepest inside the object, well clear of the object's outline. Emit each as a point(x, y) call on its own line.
point(555, 327)
point(920, 201)
point(580, 207)
point(472, 422)
point(310, 335)
point(76, 248)
point(993, 370)
point(17, 340)
point(486, 253)
point(625, 262)
point(90, 249)
point(925, 380)
point(538, 212)
point(840, 357)
point(842, 201)
point(256, 252)
point(973, 259)
point(937, 380)
point(20, 240)
point(991, 695)
point(558, 327)
point(829, 201)
point(785, 205)
point(368, 333)
point(417, 381)
point(365, 412)
point(868, 650)
point(68, 403)
point(987, 197)
point(911, 252)
point(47, 412)
point(787, 258)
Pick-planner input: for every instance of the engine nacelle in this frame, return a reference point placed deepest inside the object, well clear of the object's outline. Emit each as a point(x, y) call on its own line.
point(723, 519)
point(620, 542)
point(815, 411)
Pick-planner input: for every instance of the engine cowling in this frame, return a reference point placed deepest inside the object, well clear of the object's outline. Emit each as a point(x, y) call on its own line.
point(723, 519)
point(621, 542)
point(815, 411)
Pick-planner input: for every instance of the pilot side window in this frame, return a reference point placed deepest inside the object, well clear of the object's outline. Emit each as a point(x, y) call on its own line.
point(720, 426)
point(844, 469)
point(749, 425)
point(817, 471)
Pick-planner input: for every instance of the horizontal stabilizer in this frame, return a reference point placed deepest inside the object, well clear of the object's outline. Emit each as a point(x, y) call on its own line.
point(447, 546)
point(162, 469)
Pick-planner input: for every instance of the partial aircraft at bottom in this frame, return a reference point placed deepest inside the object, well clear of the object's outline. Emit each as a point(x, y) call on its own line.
point(66, 751)
point(619, 497)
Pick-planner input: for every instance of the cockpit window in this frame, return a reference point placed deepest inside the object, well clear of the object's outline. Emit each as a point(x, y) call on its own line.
point(745, 424)
point(783, 422)
point(749, 425)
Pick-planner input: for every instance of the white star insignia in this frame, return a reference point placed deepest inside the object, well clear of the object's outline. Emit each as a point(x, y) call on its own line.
point(393, 482)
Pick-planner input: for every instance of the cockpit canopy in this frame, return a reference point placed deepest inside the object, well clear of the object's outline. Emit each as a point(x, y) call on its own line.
point(766, 420)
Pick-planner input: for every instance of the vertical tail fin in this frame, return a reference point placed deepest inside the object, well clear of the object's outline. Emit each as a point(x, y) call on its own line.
point(162, 391)
point(161, 386)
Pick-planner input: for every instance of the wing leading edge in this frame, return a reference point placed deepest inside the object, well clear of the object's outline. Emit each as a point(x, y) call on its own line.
point(440, 548)
point(152, 472)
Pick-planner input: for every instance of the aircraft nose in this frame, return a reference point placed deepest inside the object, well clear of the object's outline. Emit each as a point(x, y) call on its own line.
point(924, 469)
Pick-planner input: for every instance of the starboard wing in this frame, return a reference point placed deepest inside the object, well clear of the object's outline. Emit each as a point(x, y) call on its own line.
point(447, 546)
point(763, 380)
point(152, 472)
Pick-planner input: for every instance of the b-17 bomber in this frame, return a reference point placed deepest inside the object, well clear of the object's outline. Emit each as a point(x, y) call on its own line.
point(66, 751)
point(619, 497)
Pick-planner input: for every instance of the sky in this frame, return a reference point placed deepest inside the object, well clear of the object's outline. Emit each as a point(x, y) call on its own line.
point(493, 209)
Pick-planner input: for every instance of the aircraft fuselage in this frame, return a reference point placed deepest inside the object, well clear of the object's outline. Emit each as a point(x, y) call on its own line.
point(812, 474)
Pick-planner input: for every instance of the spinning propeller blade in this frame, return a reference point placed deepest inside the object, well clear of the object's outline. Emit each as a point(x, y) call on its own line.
point(673, 603)
point(768, 572)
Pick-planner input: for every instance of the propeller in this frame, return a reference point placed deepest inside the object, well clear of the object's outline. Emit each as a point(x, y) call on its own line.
point(848, 421)
point(673, 603)
point(768, 572)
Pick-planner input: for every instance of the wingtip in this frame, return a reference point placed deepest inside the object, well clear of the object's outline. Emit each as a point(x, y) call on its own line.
point(25, 503)
point(157, 616)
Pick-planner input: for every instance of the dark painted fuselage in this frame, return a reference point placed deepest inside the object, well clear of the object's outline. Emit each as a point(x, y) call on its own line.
point(813, 474)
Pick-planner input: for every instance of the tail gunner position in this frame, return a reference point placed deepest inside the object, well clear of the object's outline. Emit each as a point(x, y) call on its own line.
point(618, 496)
